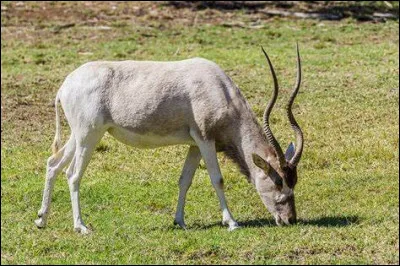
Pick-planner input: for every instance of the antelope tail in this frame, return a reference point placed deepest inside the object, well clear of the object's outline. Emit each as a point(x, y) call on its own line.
point(57, 138)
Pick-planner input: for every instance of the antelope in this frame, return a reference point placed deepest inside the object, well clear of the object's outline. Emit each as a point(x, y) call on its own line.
point(148, 104)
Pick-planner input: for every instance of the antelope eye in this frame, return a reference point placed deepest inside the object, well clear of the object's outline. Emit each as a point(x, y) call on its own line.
point(278, 182)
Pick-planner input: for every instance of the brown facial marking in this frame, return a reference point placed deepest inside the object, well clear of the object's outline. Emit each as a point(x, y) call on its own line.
point(291, 176)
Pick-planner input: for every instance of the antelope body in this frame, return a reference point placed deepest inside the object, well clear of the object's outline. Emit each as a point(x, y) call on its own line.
point(150, 104)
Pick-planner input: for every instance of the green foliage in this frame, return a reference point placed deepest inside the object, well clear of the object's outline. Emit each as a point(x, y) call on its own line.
point(347, 195)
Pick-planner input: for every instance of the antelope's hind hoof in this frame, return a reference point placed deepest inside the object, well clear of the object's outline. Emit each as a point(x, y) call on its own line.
point(40, 223)
point(82, 230)
point(180, 224)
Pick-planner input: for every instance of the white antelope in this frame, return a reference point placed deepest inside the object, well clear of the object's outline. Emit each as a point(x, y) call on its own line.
point(150, 104)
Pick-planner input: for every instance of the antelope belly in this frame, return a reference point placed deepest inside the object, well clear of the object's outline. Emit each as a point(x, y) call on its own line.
point(151, 140)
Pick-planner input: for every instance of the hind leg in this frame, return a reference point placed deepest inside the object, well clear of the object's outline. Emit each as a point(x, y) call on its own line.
point(55, 165)
point(84, 149)
point(191, 163)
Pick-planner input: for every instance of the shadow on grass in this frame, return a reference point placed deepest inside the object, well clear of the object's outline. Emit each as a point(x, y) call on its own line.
point(328, 221)
point(251, 223)
point(332, 221)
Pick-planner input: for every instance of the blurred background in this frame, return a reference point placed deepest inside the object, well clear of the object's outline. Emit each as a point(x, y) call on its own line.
point(14, 13)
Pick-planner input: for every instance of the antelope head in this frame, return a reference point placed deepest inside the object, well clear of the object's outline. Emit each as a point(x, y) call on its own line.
point(276, 173)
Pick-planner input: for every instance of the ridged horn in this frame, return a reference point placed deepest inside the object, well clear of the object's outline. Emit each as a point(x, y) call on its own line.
point(299, 134)
point(267, 112)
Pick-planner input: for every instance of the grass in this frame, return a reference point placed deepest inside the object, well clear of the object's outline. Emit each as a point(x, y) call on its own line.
point(347, 196)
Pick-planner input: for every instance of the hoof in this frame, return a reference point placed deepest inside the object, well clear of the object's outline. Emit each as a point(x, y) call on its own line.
point(82, 230)
point(232, 224)
point(181, 224)
point(233, 227)
point(40, 223)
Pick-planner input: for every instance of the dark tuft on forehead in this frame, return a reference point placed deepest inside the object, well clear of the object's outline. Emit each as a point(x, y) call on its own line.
point(291, 176)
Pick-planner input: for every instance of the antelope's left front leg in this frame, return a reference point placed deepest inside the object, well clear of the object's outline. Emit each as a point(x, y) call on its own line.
point(209, 154)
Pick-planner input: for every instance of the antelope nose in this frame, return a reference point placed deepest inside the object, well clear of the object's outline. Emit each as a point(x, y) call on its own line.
point(292, 220)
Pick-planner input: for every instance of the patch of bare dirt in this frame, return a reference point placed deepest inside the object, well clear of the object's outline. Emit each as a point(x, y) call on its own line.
point(331, 10)
point(63, 14)
point(100, 13)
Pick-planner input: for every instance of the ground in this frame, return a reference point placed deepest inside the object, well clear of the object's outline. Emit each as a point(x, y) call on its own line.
point(347, 195)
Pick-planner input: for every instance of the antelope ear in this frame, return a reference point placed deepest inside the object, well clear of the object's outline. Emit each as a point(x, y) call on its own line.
point(260, 162)
point(290, 151)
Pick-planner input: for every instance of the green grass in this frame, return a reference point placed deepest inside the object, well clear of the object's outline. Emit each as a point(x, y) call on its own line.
point(347, 196)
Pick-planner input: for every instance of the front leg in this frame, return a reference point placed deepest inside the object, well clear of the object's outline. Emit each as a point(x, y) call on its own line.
point(209, 154)
point(191, 163)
